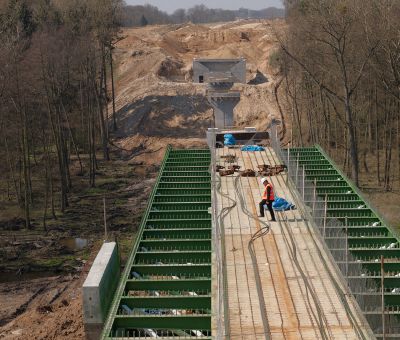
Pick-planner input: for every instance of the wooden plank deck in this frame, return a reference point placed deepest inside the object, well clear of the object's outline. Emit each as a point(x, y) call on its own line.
point(301, 301)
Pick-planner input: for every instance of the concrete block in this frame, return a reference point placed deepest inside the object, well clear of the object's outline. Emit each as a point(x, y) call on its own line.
point(99, 288)
point(233, 69)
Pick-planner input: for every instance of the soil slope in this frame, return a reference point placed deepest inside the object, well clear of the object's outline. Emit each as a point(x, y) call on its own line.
point(157, 102)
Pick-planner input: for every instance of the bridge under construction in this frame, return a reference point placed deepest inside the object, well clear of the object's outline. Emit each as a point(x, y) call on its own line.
point(205, 266)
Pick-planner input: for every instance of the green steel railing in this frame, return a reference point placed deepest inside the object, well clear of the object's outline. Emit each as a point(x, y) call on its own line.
point(165, 290)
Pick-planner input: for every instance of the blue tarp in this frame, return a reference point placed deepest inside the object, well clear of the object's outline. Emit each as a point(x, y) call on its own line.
point(281, 204)
point(252, 148)
point(229, 139)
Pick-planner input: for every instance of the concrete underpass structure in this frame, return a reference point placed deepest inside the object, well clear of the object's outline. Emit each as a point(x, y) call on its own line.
point(220, 76)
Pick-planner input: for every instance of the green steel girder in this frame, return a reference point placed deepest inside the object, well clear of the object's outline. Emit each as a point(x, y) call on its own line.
point(371, 241)
point(190, 222)
point(163, 322)
point(375, 266)
point(178, 224)
point(390, 282)
point(182, 245)
point(175, 302)
point(321, 191)
point(325, 177)
point(313, 162)
point(177, 191)
point(179, 333)
point(173, 206)
point(177, 179)
point(340, 197)
point(321, 167)
point(167, 257)
point(332, 184)
point(179, 270)
point(177, 234)
point(172, 255)
point(190, 151)
point(183, 284)
point(189, 162)
point(185, 185)
point(355, 221)
point(365, 230)
point(311, 173)
point(345, 204)
point(181, 173)
point(368, 233)
point(182, 198)
point(179, 215)
point(350, 213)
point(188, 169)
point(375, 252)
point(188, 157)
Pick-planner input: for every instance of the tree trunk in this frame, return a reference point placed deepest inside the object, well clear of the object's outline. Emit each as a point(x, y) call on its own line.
point(115, 126)
point(353, 149)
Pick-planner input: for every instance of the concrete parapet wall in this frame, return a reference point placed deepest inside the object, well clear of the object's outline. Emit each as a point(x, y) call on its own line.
point(99, 288)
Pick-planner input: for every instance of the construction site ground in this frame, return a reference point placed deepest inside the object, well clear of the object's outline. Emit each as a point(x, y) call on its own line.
point(297, 276)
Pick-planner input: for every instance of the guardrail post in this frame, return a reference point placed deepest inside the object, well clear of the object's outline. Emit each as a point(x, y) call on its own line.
point(383, 296)
point(304, 184)
point(314, 197)
point(297, 169)
point(347, 249)
point(325, 214)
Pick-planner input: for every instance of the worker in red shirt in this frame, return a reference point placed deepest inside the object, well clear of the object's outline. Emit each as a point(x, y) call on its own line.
point(267, 199)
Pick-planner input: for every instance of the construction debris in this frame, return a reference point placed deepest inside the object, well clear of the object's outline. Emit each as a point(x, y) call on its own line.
point(235, 168)
point(267, 170)
point(263, 167)
point(248, 173)
point(219, 167)
point(223, 173)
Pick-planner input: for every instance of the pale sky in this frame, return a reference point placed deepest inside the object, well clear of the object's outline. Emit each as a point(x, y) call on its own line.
point(171, 5)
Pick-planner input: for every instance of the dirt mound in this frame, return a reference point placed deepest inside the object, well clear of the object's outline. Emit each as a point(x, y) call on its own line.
point(44, 309)
point(171, 69)
point(156, 100)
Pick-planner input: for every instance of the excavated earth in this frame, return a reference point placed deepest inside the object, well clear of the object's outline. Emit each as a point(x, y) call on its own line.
point(156, 100)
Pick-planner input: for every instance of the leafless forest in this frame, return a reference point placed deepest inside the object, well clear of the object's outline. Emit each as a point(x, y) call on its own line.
point(340, 87)
point(55, 66)
point(340, 63)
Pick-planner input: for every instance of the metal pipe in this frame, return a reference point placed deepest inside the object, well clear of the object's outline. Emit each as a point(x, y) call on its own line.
point(314, 197)
point(325, 213)
point(347, 250)
point(304, 184)
point(383, 296)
